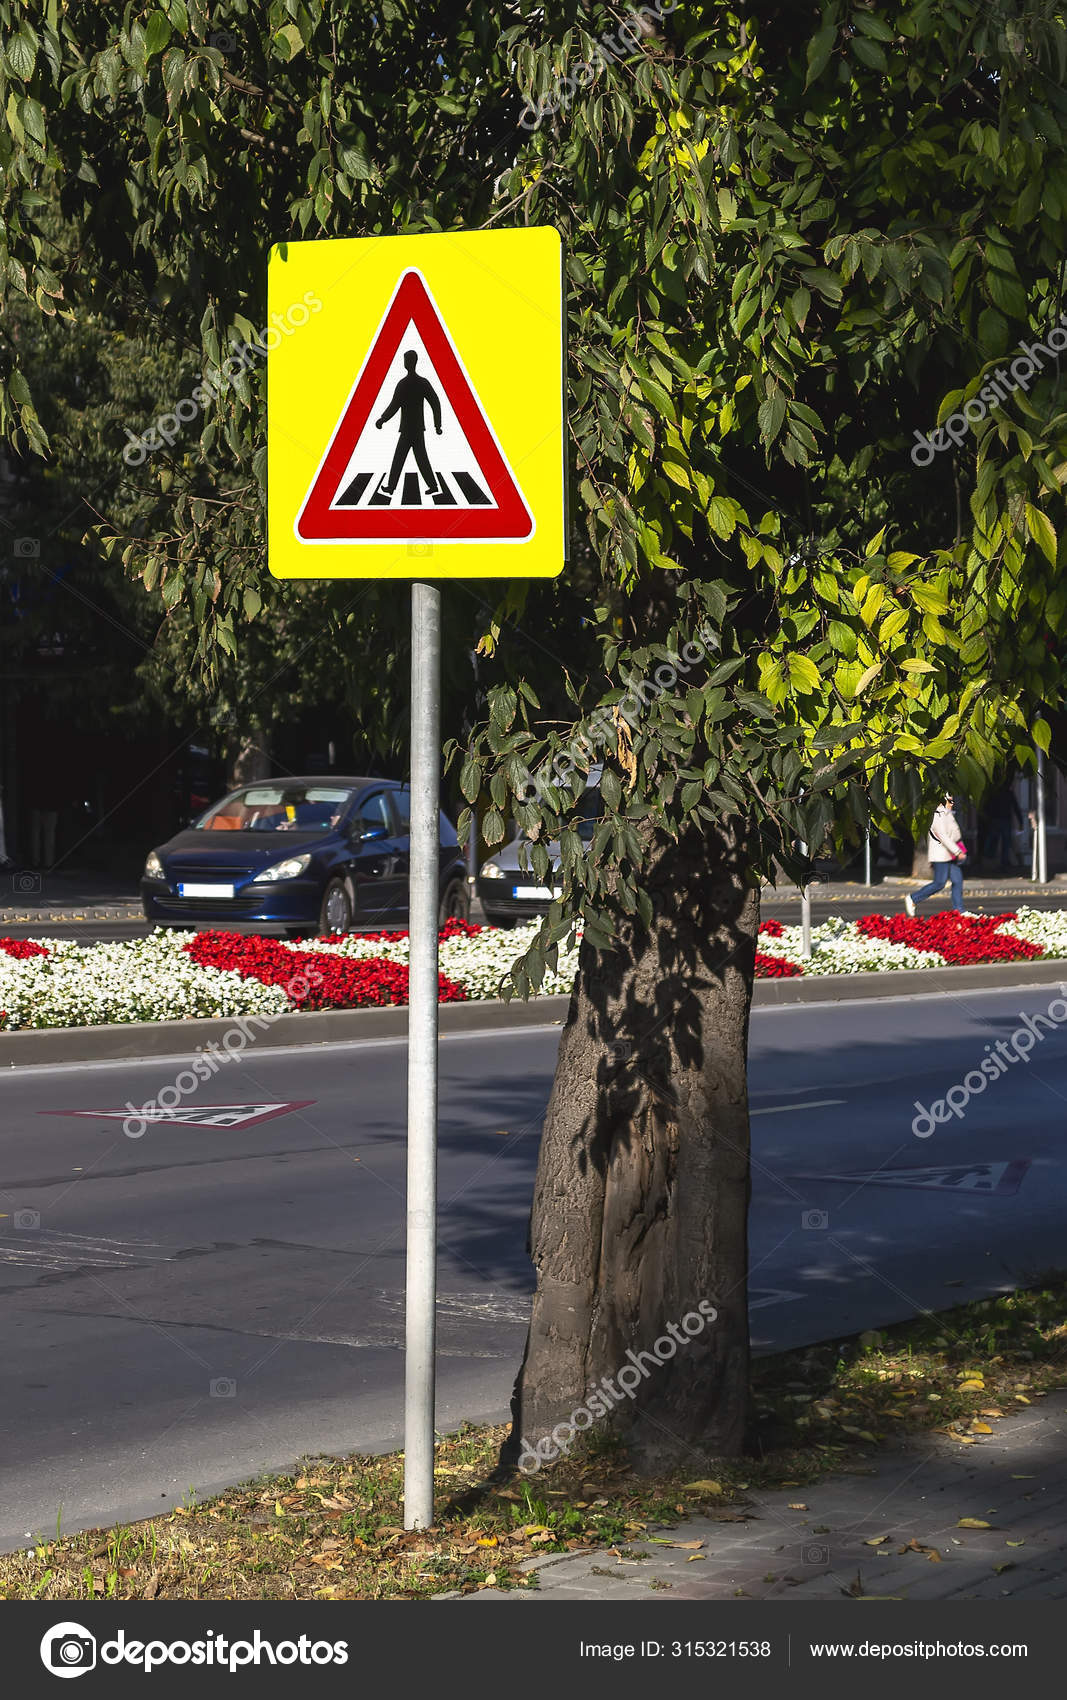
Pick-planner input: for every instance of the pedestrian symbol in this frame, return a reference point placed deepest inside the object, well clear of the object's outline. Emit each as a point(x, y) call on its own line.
point(420, 411)
point(378, 481)
point(410, 399)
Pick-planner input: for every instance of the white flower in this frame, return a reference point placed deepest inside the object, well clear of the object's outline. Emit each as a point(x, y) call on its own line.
point(1046, 927)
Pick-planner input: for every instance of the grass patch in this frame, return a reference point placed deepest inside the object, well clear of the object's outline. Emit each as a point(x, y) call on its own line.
point(334, 1531)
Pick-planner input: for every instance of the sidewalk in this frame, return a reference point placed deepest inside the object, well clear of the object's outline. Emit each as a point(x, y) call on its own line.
point(27, 896)
point(865, 1535)
point(889, 889)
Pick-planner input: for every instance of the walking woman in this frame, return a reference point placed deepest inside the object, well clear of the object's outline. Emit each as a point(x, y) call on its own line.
point(947, 852)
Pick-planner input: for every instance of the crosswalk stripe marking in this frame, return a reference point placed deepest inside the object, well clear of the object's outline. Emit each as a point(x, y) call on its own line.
point(474, 494)
point(355, 489)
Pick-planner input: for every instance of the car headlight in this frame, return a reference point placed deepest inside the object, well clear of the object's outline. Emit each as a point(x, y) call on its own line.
point(287, 870)
point(490, 871)
point(153, 868)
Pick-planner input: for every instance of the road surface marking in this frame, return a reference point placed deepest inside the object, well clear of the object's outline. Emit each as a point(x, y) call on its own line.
point(194, 1115)
point(808, 1104)
point(1001, 1179)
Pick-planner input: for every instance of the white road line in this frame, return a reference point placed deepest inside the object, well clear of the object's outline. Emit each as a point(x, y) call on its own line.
point(809, 1104)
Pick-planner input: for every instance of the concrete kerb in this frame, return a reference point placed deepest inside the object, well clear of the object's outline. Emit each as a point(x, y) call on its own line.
point(137, 1041)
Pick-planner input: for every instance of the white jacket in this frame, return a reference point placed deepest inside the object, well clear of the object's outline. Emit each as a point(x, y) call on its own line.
point(943, 839)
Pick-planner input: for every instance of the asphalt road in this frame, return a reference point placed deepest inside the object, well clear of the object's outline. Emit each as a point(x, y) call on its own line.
point(190, 1307)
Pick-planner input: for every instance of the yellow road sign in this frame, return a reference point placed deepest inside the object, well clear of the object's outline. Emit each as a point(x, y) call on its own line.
point(415, 406)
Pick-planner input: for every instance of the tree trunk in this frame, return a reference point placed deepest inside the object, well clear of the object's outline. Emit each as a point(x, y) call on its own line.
point(641, 1201)
point(249, 757)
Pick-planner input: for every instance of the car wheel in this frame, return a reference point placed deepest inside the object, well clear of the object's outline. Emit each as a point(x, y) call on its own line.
point(455, 902)
point(335, 916)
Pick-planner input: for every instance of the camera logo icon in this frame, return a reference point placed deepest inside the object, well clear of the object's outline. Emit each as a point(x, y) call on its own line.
point(26, 1221)
point(223, 1387)
point(26, 883)
point(620, 1050)
point(68, 1650)
point(223, 40)
point(26, 548)
point(420, 548)
point(815, 1552)
point(814, 1219)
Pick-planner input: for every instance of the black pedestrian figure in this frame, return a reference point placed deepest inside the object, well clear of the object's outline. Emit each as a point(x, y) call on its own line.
point(409, 400)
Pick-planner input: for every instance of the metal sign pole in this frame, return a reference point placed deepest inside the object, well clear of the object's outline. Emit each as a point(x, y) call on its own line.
point(422, 1057)
point(805, 913)
point(1042, 834)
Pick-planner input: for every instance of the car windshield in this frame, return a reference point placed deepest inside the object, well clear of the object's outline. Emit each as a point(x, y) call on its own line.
point(278, 808)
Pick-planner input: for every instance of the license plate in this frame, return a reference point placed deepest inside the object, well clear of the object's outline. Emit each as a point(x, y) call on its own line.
point(537, 891)
point(205, 891)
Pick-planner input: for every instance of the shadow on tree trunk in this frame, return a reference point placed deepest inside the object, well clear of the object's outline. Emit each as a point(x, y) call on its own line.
point(638, 1234)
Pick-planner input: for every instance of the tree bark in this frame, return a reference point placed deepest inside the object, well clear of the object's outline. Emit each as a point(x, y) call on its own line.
point(249, 757)
point(641, 1200)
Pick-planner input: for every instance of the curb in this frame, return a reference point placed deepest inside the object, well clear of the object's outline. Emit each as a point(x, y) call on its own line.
point(89, 914)
point(897, 982)
point(137, 1041)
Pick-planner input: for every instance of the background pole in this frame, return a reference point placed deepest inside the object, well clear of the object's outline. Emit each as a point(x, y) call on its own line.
point(805, 913)
point(420, 1313)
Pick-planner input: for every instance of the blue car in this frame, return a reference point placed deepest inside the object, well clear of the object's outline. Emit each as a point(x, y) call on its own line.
point(298, 856)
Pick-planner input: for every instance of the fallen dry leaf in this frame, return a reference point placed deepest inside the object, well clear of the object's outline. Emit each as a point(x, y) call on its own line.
point(931, 1553)
point(798, 1506)
point(876, 1541)
point(973, 1523)
point(980, 1428)
point(702, 1487)
point(687, 1546)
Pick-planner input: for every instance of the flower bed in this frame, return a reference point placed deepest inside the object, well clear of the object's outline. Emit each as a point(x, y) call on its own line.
point(168, 976)
point(876, 943)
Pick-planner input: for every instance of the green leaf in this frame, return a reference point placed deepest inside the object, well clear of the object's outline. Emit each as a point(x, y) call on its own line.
point(803, 673)
point(288, 42)
point(771, 416)
point(157, 33)
point(21, 53)
point(1041, 530)
point(820, 47)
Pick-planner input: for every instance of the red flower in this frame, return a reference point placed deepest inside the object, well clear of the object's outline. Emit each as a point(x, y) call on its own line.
point(958, 938)
point(313, 979)
point(23, 947)
point(772, 928)
point(775, 967)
